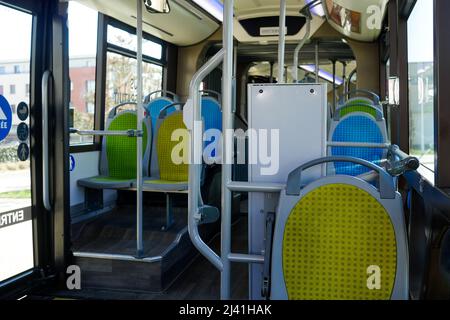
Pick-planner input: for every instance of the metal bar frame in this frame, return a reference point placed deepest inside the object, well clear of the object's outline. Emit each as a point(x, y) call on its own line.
point(299, 47)
point(195, 170)
point(140, 118)
point(281, 41)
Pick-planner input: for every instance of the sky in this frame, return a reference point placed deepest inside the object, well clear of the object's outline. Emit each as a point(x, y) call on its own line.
point(15, 34)
point(420, 32)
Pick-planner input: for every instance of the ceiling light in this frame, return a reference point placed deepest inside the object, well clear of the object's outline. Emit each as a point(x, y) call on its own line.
point(317, 9)
point(213, 7)
point(323, 74)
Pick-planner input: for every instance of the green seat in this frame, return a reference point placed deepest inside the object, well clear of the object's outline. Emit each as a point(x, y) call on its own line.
point(352, 108)
point(339, 238)
point(118, 157)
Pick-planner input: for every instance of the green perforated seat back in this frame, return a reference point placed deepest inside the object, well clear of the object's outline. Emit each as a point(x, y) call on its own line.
point(352, 108)
point(173, 155)
point(333, 238)
point(121, 150)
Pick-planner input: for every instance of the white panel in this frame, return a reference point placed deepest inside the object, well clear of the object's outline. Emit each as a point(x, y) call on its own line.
point(86, 165)
point(299, 112)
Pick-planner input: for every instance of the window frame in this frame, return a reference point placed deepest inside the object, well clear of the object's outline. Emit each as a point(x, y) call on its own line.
point(399, 12)
point(103, 47)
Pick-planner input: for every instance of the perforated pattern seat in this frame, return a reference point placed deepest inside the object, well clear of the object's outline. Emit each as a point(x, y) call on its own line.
point(357, 128)
point(331, 237)
point(168, 170)
point(118, 157)
point(155, 106)
point(121, 150)
point(212, 116)
point(348, 109)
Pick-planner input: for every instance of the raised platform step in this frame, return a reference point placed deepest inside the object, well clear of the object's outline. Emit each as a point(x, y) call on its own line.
point(105, 250)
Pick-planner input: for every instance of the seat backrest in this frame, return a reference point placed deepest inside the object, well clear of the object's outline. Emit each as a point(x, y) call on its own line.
point(211, 113)
point(357, 127)
point(163, 165)
point(339, 239)
point(359, 107)
point(212, 117)
point(118, 158)
point(155, 106)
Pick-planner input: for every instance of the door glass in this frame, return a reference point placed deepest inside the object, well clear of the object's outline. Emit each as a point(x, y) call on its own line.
point(16, 228)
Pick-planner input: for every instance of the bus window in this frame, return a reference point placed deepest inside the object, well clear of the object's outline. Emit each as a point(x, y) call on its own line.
point(421, 86)
point(16, 226)
point(82, 63)
point(121, 67)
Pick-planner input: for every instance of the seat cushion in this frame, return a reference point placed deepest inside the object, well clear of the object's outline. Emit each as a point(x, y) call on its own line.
point(164, 185)
point(102, 182)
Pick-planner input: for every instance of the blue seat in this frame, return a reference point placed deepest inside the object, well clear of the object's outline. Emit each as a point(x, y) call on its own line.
point(212, 116)
point(357, 127)
point(155, 106)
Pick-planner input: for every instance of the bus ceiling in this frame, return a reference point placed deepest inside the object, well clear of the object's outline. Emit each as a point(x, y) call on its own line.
point(189, 22)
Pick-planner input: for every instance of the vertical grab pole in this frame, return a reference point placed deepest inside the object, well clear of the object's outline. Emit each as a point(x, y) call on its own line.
point(281, 41)
point(140, 118)
point(227, 101)
point(317, 61)
point(334, 85)
point(299, 47)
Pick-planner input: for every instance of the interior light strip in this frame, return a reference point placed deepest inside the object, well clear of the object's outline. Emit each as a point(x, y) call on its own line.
point(317, 9)
point(213, 7)
point(323, 74)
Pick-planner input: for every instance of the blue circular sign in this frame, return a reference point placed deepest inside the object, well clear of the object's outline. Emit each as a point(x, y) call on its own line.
point(22, 132)
point(22, 111)
point(71, 163)
point(23, 152)
point(5, 118)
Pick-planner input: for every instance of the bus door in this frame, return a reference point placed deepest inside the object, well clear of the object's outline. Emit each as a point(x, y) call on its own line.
point(28, 200)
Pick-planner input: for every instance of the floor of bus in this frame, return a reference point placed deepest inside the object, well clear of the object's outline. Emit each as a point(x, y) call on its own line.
point(115, 231)
point(199, 281)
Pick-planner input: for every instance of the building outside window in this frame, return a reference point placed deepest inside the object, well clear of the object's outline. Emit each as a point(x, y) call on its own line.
point(83, 24)
point(121, 69)
point(12, 89)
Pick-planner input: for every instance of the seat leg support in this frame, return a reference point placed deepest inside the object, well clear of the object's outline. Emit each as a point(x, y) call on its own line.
point(169, 212)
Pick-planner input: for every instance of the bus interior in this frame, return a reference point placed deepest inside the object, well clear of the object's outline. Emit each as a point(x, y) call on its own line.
point(235, 149)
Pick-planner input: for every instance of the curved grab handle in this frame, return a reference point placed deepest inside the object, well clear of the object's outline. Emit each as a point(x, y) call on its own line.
point(212, 93)
point(164, 93)
point(387, 187)
point(195, 170)
point(165, 110)
point(113, 111)
point(375, 97)
point(401, 162)
point(45, 143)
